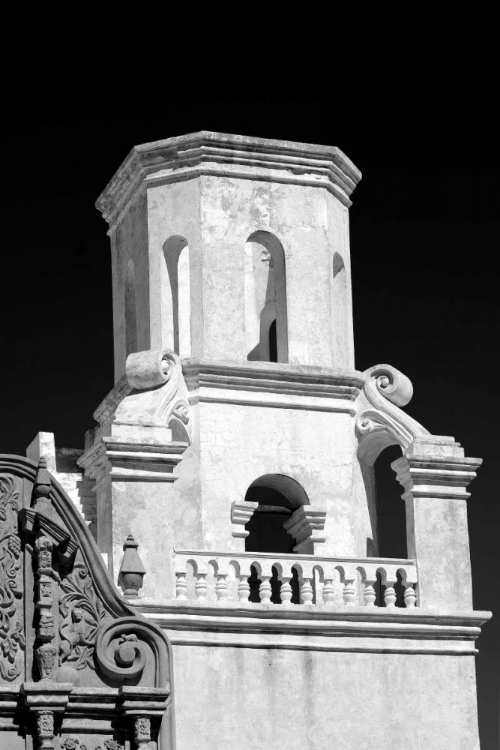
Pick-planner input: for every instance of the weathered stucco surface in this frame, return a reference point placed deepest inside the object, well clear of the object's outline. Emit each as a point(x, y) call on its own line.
point(218, 241)
point(307, 700)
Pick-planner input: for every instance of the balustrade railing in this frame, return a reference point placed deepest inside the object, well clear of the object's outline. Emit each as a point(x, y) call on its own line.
point(251, 578)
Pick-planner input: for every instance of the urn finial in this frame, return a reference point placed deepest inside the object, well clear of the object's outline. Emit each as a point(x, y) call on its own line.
point(132, 570)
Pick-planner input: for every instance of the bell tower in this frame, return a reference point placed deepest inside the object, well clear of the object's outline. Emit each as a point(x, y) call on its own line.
point(232, 248)
point(238, 447)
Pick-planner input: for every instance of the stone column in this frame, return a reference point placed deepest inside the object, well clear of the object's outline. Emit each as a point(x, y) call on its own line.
point(435, 474)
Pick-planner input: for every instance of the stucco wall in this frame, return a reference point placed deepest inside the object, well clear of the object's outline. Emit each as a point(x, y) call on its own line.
point(250, 699)
point(236, 443)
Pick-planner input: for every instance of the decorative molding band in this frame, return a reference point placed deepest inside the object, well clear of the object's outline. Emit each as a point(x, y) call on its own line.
point(118, 460)
point(207, 153)
point(396, 630)
point(445, 477)
point(271, 384)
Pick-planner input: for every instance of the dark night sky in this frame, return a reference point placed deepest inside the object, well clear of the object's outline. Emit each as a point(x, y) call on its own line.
point(424, 237)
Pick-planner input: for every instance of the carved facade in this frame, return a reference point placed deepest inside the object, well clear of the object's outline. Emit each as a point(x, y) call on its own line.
point(79, 668)
point(232, 467)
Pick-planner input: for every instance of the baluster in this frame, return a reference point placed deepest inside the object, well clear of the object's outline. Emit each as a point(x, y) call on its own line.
point(349, 593)
point(286, 591)
point(180, 585)
point(221, 587)
point(265, 590)
point(390, 594)
point(369, 594)
point(306, 592)
point(201, 587)
point(410, 596)
point(328, 592)
point(243, 589)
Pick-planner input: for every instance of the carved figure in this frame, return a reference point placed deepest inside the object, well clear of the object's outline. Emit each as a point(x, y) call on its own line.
point(82, 611)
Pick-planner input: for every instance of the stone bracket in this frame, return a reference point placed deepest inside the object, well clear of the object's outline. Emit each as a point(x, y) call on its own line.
point(306, 525)
point(241, 513)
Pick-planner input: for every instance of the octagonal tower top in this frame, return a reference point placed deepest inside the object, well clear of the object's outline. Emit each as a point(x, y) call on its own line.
point(232, 248)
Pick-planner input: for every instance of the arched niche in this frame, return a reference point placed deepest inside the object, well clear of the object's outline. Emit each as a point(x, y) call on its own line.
point(266, 324)
point(176, 296)
point(130, 309)
point(339, 307)
point(275, 499)
point(383, 492)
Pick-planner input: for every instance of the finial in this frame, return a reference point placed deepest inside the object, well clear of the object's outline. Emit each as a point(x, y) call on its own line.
point(132, 570)
point(42, 480)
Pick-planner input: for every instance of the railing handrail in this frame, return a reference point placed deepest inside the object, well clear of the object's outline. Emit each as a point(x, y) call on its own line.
point(292, 556)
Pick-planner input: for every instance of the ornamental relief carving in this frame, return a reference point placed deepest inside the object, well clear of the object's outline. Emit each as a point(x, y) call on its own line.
point(82, 612)
point(12, 640)
point(74, 743)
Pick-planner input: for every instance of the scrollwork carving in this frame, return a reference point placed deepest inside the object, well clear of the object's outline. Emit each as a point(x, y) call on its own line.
point(12, 641)
point(145, 371)
point(380, 417)
point(83, 613)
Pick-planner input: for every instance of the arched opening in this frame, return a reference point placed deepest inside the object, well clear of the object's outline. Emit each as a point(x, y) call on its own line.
point(277, 497)
point(265, 299)
point(130, 309)
point(340, 306)
point(391, 511)
point(176, 296)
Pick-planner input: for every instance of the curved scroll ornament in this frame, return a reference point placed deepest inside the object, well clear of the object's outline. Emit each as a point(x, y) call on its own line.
point(83, 614)
point(12, 641)
point(160, 372)
point(121, 649)
point(386, 389)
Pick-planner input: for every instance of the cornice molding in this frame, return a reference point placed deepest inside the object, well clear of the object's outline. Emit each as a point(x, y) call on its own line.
point(207, 153)
point(272, 384)
point(355, 629)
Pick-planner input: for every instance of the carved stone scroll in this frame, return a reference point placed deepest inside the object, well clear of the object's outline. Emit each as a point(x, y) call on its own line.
point(381, 422)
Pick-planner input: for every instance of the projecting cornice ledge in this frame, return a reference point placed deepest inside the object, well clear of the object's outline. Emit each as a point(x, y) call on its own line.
point(381, 630)
point(272, 384)
point(244, 157)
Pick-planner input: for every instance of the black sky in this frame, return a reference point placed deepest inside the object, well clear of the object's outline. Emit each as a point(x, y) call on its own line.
point(425, 239)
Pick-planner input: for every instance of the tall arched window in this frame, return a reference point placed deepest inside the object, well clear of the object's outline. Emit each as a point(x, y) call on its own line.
point(265, 299)
point(176, 296)
point(130, 309)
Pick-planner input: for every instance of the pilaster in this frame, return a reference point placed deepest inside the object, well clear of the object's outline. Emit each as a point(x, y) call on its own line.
point(434, 474)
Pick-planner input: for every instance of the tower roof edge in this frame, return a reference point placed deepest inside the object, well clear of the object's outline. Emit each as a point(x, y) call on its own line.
point(250, 157)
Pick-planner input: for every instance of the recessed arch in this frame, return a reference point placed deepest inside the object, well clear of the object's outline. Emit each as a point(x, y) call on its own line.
point(176, 296)
point(277, 497)
point(266, 325)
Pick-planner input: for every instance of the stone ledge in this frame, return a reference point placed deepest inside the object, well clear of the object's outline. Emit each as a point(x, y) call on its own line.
point(205, 152)
point(399, 631)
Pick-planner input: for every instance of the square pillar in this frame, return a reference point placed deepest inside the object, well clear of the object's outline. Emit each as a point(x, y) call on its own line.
point(435, 474)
